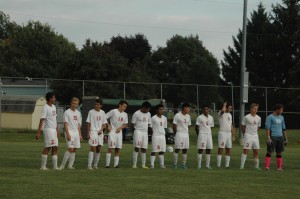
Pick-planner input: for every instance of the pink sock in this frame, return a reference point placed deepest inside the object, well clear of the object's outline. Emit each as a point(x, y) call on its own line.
point(267, 162)
point(279, 163)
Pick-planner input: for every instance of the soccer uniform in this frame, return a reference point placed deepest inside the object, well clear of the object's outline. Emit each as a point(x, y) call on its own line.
point(252, 124)
point(224, 135)
point(73, 120)
point(141, 123)
point(50, 124)
point(205, 137)
point(276, 125)
point(116, 119)
point(182, 134)
point(96, 120)
point(158, 125)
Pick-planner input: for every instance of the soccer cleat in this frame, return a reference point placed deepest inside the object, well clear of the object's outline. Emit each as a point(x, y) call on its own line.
point(71, 168)
point(257, 168)
point(209, 168)
point(267, 169)
point(183, 166)
point(95, 167)
point(134, 167)
point(90, 168)
point(175, 166)
point(62, 167)
point(198, 167)
point(117, 166)
point(44, 169)
point(107, 167)
point(241, 168)
point(145, 167)
point(56, 168)
point(152, 167)
point(227, 167)
point(163, 167)
point(280, 169)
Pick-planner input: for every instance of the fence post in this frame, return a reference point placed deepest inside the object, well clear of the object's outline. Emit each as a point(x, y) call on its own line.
point(0, 104)
point(83, 88)
point(161, 92)
point(124, 90)
point(266, 90)
point(232, 101)
point(197, 99)
point(46, 85)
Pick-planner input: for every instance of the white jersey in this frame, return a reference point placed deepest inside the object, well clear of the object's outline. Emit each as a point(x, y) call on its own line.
point(96, 119)
point(252, 124)
point(73, 119)
point(205, 124)
point(225, 122)
point(116, 118)
point(183, 122)
point(49, 114)
point(158, 125)
point(141, 121)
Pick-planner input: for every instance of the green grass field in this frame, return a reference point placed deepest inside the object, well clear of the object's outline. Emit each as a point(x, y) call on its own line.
point(20, 176)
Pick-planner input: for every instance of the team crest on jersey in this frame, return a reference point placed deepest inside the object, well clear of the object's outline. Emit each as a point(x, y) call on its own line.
point(120, 119)
point(75, 117)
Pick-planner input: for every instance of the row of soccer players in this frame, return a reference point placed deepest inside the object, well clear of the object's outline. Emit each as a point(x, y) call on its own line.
point(116, 120)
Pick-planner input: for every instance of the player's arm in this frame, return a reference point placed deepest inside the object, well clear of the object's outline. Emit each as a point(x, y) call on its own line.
point(88, 128)
point(233, 132)
point(57, 131)
point(197, 129)
point(223, 109)
point(79, 130)
point(243, 127)
point(174, 128)
point(38, 134)
point(102, 129)
point(67, 131)
point(268, 127)
point(121, 128)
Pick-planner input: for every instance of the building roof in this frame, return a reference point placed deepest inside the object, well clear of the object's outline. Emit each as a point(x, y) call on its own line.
point(18, 104)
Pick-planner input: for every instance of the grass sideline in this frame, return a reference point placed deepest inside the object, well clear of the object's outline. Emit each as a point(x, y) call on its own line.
point(20, 176)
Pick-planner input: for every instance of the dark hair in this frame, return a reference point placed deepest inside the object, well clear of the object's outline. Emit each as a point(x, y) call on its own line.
point(205, 106)
point(185, 105)
point(146, 105)
point(228, 104)
point(121, 102)
point(100, 101)
point(278, 106)
point(49, 95)
point(158, 106)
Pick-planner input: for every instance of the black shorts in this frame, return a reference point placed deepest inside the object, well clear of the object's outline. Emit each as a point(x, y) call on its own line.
point(277, 145)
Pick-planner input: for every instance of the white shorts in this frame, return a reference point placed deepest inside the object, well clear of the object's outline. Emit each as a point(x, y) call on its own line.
point(224, 140)
point(75, 139)
point(115, 140)
point(50, 137)
point(204, 141)
point(158, 143)
point(182, 141)
point(251, 141)
point(140, 139)
point(95, 139)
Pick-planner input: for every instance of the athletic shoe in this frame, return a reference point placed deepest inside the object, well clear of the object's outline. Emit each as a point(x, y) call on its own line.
point(95, 167)
point(71, 168)
point(62, 167)
point(227, 167)
point(107, 167)
point(241, 168)
point(90, 168)
point(152, 167)
point(145, 167)
point(56, 168)
point(44, 169)
point(163, 167)
point(175, 166)
point(279, 169)
point(209, 168)
point(117, 166)
point(257, 168)
point(183, 166)
point(198, 167)
point(267, 169)
point(134, 167)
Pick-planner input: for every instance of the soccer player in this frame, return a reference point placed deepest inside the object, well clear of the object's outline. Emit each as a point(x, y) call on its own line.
point(226, 134)
point(204, 123)
point(118, 120)
point(250, 125)
point(50, 130)
point(72, 127)
point(276, 136)
point(158, 124)
point(96, 122)
point(181, 123)
point(140, 122)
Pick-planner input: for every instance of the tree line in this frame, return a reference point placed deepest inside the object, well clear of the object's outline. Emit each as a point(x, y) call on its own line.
point(36, 50)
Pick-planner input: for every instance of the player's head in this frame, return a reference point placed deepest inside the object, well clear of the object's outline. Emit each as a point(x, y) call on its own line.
point(159, 109)
point(74, 102)
point(50, 97)
point(228, 107)
point(98, 104)
point(185, 108)
point(278, 109)
point(122, 105)
point(205, 109)
point(254, 108)
point(145, 108)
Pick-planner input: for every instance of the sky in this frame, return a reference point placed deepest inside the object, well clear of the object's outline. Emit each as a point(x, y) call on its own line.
point(214, 21)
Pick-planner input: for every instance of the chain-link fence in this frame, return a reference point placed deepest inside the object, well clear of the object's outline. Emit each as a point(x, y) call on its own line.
point(171, 94)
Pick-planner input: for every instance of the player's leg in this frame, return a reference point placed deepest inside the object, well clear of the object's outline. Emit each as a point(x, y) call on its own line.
point(186, 146)
point(208, 158)
point(144, 147)
point(97, 156)
point(221, 145)
point(44, 158)
point(199, 158)
point(111, 145)
point(228, 146)
point(71, 146)
point(175, 157)
point(107, 157)
point(201, 144)
point(270, 150)
point(152, 160)
point(54, 151)
point(209, 147)
point(177, 146)
point(279, 147)
point(161, 158)
point(72, 159)
point(244, 157)
point(155, 148)
point(184, 158)
point(91, 157)
point(119, 142)
point(256, 147)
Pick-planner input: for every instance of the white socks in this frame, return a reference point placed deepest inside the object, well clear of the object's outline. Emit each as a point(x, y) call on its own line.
point(256, 163)
point(143, 159)
point(184, 157)
point(199, 157)
point(107, 162)
point(66, 158)
point(243, 160)
point(71, 160)
point(134, 157)
point(227, 161)
point(54, 161)
point(219, 159)
point(152, 160)
point(96, 159)
point(90, 158)
point(116, 161)
point(44, 161)
point(175, 158)
point(161, 160)
point(207, 160)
